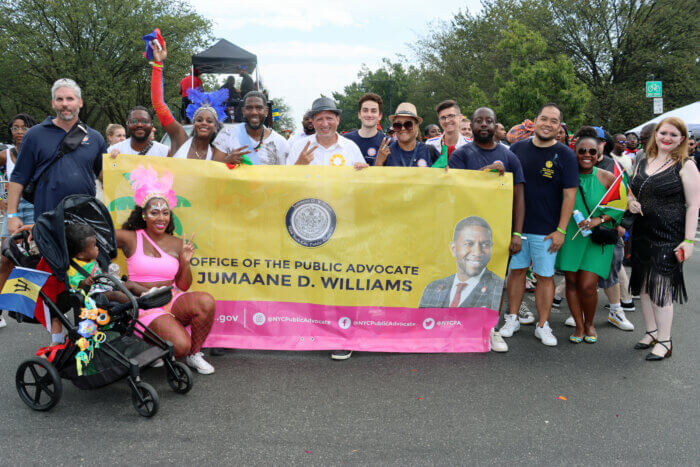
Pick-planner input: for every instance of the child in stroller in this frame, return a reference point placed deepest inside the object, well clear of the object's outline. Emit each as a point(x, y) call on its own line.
point(127, 346)
point(83, 251)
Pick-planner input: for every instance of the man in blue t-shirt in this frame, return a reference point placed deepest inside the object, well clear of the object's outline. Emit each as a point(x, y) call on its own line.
point(368, 138)
point(551, 180)
point(486, 154)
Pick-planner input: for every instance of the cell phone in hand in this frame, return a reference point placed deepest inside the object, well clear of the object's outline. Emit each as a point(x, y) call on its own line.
point(680, 255)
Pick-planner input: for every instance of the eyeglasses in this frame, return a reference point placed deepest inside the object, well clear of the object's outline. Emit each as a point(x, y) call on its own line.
point(19, 128)
point(622, 141)
point(136, 121)
point(591, 151)
point(398, 126)
point(445, 118)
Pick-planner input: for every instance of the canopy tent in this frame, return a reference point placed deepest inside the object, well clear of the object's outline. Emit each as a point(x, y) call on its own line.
point(690, 114)
point(224, 57)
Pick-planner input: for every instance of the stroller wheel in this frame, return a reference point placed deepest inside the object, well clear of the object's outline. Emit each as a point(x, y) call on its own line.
point(145, 399)
point(180, 379)
point(38, 384)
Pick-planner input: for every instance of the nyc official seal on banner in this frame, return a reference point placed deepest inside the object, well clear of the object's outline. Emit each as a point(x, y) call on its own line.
point(311, 222)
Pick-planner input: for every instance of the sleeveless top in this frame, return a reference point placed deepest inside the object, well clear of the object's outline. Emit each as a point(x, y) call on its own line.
point(144, 268)
point(663, 204)
point(185, 149)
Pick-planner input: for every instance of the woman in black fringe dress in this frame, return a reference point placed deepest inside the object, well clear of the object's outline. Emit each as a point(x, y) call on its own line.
point(665, 196)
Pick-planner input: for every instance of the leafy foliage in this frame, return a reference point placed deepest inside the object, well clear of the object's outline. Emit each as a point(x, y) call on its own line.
point(98, 44)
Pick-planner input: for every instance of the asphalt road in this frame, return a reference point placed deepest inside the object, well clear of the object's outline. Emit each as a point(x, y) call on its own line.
point(284, 408)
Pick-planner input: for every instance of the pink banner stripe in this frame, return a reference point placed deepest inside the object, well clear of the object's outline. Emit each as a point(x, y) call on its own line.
point(302, 326)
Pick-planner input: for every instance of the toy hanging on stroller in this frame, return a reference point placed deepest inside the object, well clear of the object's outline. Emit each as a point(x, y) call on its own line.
point(99, 351)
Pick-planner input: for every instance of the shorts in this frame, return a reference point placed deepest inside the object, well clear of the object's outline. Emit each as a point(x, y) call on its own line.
point(535, 251)
point(146, 317)
point(618, 256)
point(25, 211)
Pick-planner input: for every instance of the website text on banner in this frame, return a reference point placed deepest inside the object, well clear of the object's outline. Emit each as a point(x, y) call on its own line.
point(312, 258)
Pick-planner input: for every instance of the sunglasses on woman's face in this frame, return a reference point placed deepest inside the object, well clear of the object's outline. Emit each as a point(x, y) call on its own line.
point(591, 151)
point(398, 126)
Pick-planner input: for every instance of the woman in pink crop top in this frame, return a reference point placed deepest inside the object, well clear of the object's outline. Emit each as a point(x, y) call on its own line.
point(155, 258)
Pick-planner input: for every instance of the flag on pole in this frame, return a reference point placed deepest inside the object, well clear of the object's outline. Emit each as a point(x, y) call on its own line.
point(275, 114)
point(21, 290)
point(616, 196)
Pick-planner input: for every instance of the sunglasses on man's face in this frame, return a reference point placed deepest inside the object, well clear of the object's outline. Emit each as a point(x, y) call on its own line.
point(621, 141)
point(398, 126)
point(591, 151)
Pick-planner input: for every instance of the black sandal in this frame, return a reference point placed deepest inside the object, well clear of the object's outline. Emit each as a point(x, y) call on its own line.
point(642, 345)
point(669, 350)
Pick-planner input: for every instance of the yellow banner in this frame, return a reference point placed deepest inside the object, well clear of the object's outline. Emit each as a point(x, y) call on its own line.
point(329, 235)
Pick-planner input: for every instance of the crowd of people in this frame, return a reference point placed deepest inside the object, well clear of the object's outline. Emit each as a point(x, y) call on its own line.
point(558, 177)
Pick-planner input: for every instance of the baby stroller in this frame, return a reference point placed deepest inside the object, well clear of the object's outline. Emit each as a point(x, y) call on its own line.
point(128, 346)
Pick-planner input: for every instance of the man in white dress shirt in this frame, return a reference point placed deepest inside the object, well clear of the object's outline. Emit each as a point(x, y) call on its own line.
point(326, 146)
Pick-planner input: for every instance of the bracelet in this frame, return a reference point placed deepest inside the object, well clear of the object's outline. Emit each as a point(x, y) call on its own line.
point(692, 242)
point(561, 231)
point(156, 64)
point(11, 215)
point(518, 234)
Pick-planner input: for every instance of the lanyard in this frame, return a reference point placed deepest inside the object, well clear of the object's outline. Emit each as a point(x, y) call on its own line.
point(412, 158)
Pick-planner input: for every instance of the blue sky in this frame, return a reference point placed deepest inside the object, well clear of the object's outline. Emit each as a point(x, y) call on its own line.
point(306, 48)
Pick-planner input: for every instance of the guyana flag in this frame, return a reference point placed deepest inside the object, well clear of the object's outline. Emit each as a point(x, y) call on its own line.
point(616, 196)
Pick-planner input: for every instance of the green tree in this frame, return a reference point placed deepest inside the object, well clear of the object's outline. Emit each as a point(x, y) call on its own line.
point(98, 44)
point(286, 120)
point(535, 80)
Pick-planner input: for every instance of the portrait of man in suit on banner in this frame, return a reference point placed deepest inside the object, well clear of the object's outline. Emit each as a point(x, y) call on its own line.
point(473, 285)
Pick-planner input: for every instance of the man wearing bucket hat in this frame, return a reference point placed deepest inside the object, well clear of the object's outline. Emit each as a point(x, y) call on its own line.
point(406, 151)
point(326, 146)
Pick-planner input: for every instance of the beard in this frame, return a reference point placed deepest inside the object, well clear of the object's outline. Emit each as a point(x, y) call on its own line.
point(141, 139)
point(483, 139)
point(68, 117)
point(253, 127)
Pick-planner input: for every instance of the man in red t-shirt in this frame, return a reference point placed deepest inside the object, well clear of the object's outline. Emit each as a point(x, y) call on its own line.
point(185, 84)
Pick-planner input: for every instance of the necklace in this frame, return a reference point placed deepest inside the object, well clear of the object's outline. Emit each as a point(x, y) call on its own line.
point(666, 162)
point(196, 152)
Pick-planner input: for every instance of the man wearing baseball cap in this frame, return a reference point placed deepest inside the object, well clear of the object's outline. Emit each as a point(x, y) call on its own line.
point(406, 151)
point(326, 146)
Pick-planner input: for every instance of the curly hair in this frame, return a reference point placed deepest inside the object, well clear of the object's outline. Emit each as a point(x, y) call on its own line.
point(136, 220)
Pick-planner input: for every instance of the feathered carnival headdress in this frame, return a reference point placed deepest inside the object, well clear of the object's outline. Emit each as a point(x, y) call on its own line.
point(147, 185)
point(215, 102)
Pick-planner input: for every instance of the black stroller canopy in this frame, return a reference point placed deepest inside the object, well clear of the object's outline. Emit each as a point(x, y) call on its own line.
point(50, 234)
point(224, 57)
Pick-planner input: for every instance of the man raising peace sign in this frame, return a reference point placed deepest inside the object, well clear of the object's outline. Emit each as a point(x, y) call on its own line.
point(326, 146)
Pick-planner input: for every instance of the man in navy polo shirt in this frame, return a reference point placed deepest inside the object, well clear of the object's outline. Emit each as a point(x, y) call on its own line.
point(551, 181)
point(74, 173)
point(368, 138)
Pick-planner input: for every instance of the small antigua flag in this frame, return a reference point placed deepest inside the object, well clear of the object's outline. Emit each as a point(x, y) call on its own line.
point(21, 290)
point(148, 38)
point(275, 114)
point(616, 196)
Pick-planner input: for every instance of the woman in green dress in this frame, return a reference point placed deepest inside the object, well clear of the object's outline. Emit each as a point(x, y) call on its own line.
point(581, 260)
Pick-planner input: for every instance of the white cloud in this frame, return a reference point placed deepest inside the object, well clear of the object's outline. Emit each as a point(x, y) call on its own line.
point(287, 14)
point(297, 50)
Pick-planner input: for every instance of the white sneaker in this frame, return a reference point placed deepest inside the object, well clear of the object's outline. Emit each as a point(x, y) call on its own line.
point(618, 318)
point(197, 362)
point(2, 322)
point(511, 325)
point(525, 316)
point(497, 342)
point(570, 322)
point(544, 334)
